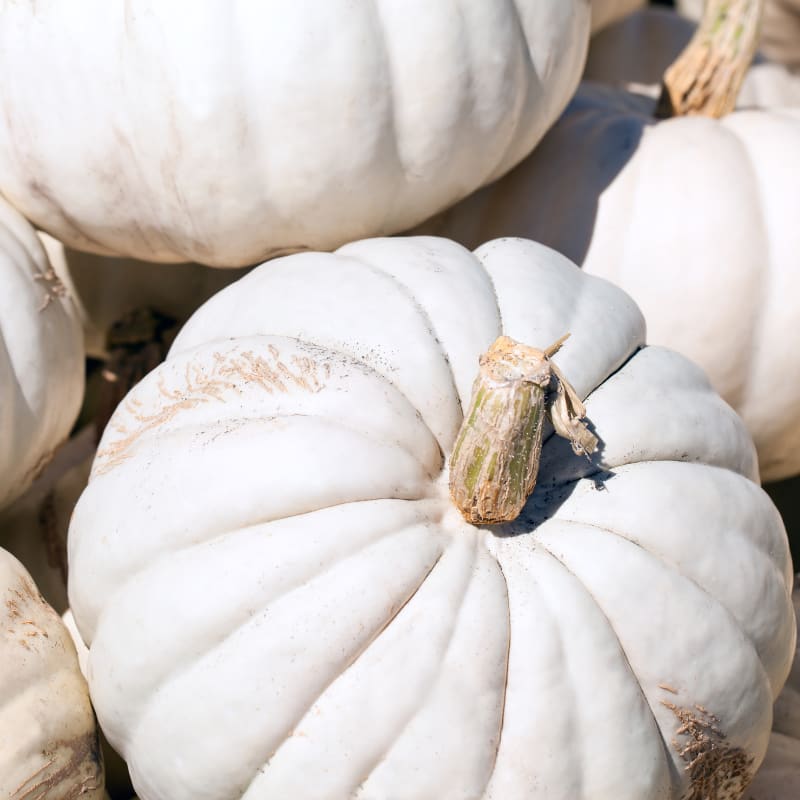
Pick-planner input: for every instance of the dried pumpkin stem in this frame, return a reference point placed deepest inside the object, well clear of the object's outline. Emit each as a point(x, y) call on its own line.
point(495, 461)
point(706, 77)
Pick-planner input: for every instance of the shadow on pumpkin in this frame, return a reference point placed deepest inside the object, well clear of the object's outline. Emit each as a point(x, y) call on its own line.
point(560, 471)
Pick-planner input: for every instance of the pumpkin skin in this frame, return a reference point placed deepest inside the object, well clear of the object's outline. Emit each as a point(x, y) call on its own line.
point(780, 39)
point(634, 52)
point(258, 131)
point(48, 735)
point(649, 206)
point(348, 633)
point(41, 357)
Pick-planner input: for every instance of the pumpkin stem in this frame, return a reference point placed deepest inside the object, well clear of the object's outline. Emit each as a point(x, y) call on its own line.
point(706, 77)
point(495, 460)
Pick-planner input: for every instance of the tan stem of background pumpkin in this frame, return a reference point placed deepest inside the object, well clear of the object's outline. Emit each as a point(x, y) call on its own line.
point(706, 77)
point(495, 460)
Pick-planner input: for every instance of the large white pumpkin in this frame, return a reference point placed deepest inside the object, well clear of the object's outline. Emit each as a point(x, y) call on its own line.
point(243, 128)
point(695, 218)
point(281, 600)
point(48, 735)
point(41, 357)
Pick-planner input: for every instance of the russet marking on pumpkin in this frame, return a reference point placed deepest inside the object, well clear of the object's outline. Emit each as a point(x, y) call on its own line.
point(495, 460)
point(53, 286)
point(80, 755)
point(229, 373)
point(717, 769)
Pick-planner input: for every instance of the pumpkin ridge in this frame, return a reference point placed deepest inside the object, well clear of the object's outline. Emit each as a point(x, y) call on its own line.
point(674, 567)
point(191, 655)
point(356, 792)
point(491, 772)
point(427, 321)
point(298, 721)
point(676, 752)
point(613, 630)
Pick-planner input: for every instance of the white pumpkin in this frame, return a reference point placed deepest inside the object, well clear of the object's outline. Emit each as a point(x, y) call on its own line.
point(780, 39)
point(695, 218)
point(605, 12)
point(48, 735)
point(281, 600)
point(245, 129)
point(634, 52)
point(41, 357)
point(779, 775)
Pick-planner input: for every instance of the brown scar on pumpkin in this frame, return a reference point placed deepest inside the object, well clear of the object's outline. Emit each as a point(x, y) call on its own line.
point(717, 770)
point(53, 287)
point(84, 757)
point(228, 374)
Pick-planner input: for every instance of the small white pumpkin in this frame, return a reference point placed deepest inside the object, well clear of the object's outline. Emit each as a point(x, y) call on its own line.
point(281, 600)
point(245, 129)
point(41, 357)
point(48, 736)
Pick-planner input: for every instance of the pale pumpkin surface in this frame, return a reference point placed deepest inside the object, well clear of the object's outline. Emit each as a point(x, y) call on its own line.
point(281, 600)
point(48, 735)
point(695, 218)
point(247, 128)
point(634, 52)
point(41, 357)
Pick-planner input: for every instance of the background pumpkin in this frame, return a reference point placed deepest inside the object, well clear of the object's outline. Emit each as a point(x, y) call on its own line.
point(48, 736)
point(41, 357)
point(227, 548)
point(247, 129)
